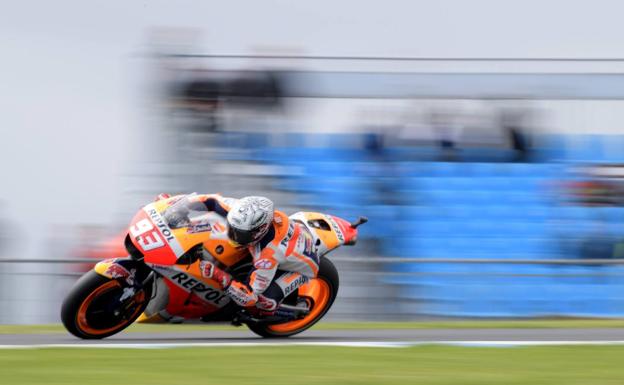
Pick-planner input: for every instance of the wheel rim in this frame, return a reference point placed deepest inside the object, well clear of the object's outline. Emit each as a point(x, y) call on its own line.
point(94, 316)
point(318, 293)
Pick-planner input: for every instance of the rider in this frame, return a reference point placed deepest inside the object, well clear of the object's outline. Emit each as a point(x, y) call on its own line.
point(282, 251)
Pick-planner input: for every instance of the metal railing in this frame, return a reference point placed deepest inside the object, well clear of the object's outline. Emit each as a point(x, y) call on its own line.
point(364, 280)
point(420, 260)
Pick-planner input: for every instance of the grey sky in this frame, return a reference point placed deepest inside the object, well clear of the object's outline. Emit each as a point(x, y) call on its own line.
point(69, 103)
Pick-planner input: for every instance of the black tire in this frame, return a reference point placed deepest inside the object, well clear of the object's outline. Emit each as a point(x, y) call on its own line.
point(329, 274)
point(103, 324)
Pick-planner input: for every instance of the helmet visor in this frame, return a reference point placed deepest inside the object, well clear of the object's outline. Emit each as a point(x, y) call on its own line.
point(242, 237)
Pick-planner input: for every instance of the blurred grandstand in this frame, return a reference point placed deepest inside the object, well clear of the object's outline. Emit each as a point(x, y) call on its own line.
point(443, 181)
point(461, 166)
point(447, 185)
point(462, 210)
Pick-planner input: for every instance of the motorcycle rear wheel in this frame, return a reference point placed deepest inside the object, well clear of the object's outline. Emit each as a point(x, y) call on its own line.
point(89, 310)
point(320, 294)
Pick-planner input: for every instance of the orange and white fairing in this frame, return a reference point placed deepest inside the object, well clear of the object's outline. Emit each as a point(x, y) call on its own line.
point(163, 231)
point(166, 230)
point(330, 231)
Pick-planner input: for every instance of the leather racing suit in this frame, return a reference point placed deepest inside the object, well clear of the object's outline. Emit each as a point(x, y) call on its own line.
point(283, 260)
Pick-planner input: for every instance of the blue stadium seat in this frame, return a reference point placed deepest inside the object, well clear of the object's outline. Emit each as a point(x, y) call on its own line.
point(464, 210)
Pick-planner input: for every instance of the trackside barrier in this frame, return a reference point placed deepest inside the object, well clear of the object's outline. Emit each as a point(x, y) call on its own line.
point(567, 261)
point(43, 283)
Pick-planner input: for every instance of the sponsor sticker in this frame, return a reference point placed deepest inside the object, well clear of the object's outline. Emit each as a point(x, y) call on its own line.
point(289, 235)
point(264, 264)
point(336, 228)
point(199, 228)
point(218, 228)
point(188, 283)
point(294, 285)
point(117, 271)
point(152, 239)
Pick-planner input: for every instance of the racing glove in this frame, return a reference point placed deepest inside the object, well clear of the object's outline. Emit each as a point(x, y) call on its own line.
point(237, 291)
point(241, 294)
point(209, 270)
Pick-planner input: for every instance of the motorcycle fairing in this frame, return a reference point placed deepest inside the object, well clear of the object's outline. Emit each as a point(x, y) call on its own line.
point(127, 269)
point(329, 231)
point(163, 244)
point(110, 268)
point(152, 236)
point(190, 295)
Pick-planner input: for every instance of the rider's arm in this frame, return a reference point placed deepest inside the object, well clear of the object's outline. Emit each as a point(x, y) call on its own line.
point(217, 204)
point(265, 268)
point(265, 261)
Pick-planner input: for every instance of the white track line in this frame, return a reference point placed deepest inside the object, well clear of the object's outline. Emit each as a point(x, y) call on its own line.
point(363, 344)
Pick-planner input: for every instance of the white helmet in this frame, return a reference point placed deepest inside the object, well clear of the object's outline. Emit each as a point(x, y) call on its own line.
point(249, 219)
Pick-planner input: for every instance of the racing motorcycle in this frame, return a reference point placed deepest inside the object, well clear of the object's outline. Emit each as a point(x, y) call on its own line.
point(160, 280)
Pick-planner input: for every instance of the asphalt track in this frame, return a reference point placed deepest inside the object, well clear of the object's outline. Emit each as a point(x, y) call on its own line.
point(242, 336)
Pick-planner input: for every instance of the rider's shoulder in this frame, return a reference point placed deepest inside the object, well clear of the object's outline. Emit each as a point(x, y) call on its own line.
point(280, 224)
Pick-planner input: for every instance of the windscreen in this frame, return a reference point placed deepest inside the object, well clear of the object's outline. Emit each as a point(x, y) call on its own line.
point(186, 212)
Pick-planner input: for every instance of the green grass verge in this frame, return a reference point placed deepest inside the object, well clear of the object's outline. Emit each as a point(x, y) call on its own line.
point(423, 365)
point(520, 324)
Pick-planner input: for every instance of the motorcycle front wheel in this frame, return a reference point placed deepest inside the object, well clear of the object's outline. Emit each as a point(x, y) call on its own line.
point(319, 293)
point(93, 310)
